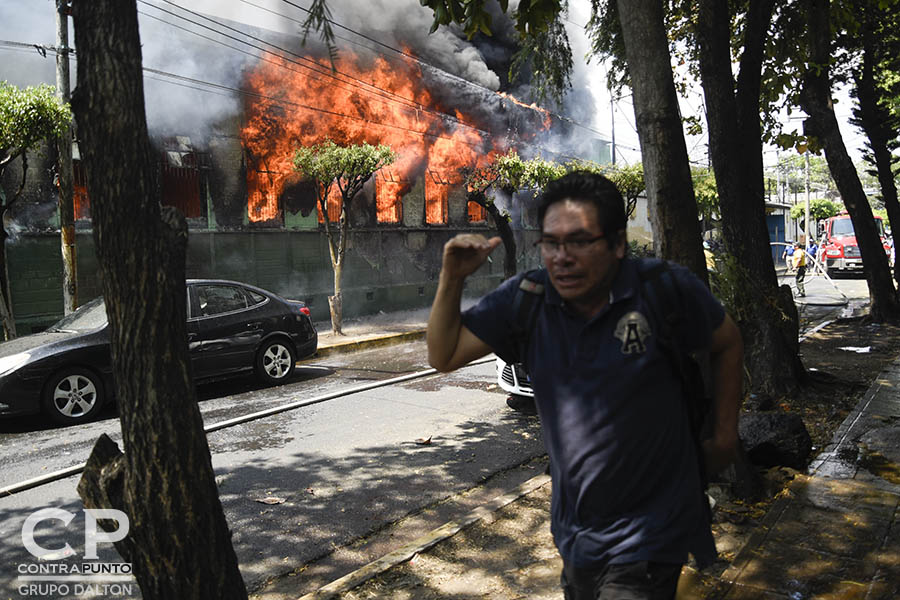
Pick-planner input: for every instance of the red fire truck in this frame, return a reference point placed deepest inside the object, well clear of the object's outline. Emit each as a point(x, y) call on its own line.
point(838, 250)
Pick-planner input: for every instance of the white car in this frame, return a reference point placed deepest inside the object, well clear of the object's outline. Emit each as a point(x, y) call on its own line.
point(514, 379)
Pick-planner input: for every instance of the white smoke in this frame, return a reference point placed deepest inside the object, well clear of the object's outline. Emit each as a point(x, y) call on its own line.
point(27, 23)
point(190, 82)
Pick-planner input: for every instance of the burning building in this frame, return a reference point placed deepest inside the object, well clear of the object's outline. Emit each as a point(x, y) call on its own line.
point(253, 218)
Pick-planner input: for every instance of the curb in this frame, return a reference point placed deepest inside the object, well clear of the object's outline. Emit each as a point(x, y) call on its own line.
point(365, 344)
point(430, 539)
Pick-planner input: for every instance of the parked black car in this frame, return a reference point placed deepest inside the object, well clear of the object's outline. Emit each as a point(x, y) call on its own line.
point(66, 372)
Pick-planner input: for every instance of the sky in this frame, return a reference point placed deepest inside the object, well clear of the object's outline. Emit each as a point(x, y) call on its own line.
point(385, 21)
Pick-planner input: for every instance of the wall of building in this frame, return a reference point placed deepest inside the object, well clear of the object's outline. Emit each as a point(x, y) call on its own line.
point(387, 267)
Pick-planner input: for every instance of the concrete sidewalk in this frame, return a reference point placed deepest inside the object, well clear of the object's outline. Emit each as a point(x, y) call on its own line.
point(372, 331)
point(835, 533)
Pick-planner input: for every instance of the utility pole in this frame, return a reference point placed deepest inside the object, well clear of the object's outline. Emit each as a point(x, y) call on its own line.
point(66, 202)
point(808, 240)
point(612, 114)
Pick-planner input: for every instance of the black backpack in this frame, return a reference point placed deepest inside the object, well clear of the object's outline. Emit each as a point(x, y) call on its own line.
point(666, 303)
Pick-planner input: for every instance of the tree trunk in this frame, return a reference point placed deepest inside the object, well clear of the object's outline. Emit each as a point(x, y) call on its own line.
point(179, 543)
point(816, 101)
point(7, 315)
point(667, 173)
point(503, 229)
point(766, 315)
point(336, 302)
point(874, 121)
point(6, 310)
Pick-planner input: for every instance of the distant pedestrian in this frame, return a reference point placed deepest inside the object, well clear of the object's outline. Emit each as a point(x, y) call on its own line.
point(788, 256)
point(799, 261)
point(628, 504)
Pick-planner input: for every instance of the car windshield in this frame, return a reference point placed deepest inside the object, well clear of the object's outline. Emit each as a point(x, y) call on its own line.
point(87, 317)
point(845, 227)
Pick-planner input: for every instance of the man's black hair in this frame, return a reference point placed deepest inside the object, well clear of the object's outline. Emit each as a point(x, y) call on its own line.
point(593, 188)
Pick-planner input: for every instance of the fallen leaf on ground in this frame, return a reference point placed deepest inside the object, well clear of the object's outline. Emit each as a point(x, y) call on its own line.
point(423, 441)
point(270, 500)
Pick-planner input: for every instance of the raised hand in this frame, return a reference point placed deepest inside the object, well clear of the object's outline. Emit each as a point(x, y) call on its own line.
point(464, 253)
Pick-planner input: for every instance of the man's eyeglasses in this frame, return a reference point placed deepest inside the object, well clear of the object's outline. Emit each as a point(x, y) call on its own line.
point(571, 246)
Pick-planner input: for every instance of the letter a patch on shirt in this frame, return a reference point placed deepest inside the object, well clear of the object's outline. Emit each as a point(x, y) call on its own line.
point(633, 329)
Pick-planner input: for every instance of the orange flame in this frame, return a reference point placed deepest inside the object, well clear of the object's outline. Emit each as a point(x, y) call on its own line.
point(532, 106)
point(370, 101)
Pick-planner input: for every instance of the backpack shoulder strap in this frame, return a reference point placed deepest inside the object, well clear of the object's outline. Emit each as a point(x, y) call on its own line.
point(666, 302)
point(664, 299)
point(526, 303)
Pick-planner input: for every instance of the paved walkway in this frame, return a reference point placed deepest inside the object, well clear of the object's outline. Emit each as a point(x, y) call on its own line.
point(835, 533)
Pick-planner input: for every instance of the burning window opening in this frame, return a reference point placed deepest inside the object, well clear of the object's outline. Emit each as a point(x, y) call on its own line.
point(334, 205)
point(476, 213)
point(437, 194)
point(180, 177)
point(79, 191)
point(389, 197)
point(263, 189)
point(180, 184)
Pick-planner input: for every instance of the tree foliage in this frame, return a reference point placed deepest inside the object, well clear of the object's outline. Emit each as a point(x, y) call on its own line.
point(706, 193)
point(510, 173)
point(819, 208)
point(629, 179)
point(28, 118)
point(347, 167)
point(546, 57)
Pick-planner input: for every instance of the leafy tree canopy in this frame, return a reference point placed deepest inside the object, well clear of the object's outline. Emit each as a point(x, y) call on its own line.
point(28, 118)
point(819, 208)
point(629, 179)
point(348, 166)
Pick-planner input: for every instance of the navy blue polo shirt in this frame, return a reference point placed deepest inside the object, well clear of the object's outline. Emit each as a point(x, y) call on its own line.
point(625, 480)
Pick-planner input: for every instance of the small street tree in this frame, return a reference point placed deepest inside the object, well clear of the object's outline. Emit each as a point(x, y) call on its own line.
point(509, 173)
point(347, 167)
point(178, 543)
point(28, 119)
point(629, 179)
point(819, 208)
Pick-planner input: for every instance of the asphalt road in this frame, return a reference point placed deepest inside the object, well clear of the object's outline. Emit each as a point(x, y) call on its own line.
point(335, 471)
point(827, 299)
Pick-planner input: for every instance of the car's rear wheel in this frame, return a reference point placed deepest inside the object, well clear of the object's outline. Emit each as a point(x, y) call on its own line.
point(275, 361)
point(73, 396)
